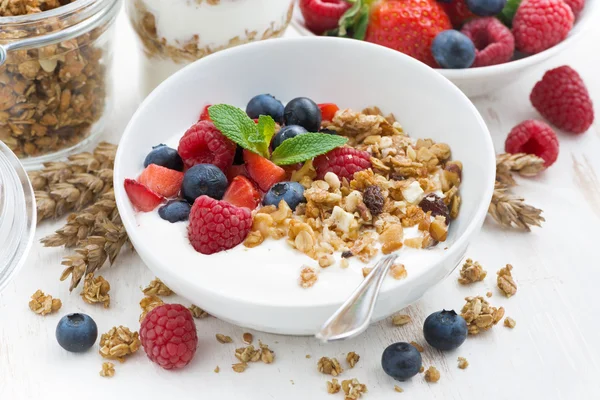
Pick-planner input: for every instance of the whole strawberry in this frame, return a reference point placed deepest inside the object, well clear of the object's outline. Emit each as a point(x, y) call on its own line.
point(322, 15)
point(408, 26)
point(562, 98)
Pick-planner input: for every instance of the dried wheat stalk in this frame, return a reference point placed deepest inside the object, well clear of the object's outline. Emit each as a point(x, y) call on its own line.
point(511, 211)
point(523, 164)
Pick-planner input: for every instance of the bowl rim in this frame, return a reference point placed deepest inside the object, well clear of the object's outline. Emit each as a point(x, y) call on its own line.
point(458, 245)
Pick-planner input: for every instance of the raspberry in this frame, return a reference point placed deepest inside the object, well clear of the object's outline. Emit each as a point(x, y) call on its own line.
point(458, 12)
point(217, 225)
point(343, 161)
point(576, 6)
point(373, 199)
point(168, 335)
point(562, 98)
point(494, 42)
point(203, 143)
point(541, 24)
point(533, 137)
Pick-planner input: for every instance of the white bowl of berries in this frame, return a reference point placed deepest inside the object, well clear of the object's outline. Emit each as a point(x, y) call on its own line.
point(480, 45)
point(269, 215)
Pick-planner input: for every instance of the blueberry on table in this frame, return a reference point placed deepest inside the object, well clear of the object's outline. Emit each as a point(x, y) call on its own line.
point(304, 112)
point(175, 211)
point(265, 104)
point(285, 133)
point(203, 179)
point(164, 156)
point(76, 332)
point(453, 50)
point(445, 330)
point(290, 192)
point(401, 361)
point(486, 8)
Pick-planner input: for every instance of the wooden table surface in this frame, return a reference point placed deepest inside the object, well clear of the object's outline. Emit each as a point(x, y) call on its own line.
point(553, 353)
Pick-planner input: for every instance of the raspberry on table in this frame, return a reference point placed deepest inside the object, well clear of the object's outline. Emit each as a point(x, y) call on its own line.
point(343, 161)
point(533, 137)
point(217, 225)
point(541, 24)
point(494, 42)
point(562, 98)
point(168, 335)
point(203, 143)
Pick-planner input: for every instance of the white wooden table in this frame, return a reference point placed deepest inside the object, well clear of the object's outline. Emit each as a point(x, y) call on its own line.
point(552, 353)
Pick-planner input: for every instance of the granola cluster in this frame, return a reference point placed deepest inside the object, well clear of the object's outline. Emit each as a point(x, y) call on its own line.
point(118, 343)
point(95, 290)
point(471, 272)
point(44, 304)
point(251, 354)
point(480, 315)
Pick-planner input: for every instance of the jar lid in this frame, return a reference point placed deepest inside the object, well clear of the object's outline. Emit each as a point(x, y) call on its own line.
point(17, 215)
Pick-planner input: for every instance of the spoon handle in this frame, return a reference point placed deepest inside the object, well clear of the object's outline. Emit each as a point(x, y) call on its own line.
point(354, 316)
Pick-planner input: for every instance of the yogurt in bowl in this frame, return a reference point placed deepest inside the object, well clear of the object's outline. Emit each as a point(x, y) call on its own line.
point(258, 287)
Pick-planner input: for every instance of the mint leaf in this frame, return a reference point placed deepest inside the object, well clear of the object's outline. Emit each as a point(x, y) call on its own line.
point(305, 147)
point(266, 130)
point(508, 12)
point(237, 127)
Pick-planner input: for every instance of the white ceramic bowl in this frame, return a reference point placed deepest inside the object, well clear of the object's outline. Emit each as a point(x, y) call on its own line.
point(258, 288)
point(480, 81)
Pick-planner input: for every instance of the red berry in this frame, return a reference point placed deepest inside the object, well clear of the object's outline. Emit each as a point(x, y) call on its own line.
point(328, 111)
point(263, 171)
point(203, 143)
point(168, 336)
point(562, 98)
point(343, 161)
point(541, 24)
point(576, 6)
point(533, 137)
point(242, 193)
point(236, 170)
point(322, 15)
point(458, 12)
point(204, 115)
point(408, 26)
point(494, 42)
point(216, 225)
point(161, 180)
point(142, 198)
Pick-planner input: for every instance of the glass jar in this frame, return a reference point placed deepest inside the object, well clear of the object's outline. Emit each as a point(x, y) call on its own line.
point(17, 215)
point(175, 33)
point(54, 69)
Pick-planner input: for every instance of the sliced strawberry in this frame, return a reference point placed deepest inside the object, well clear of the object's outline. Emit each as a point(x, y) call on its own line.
point(242, 193)
point(263, 171)
point(236, 170)
point(328, 111)
point(142, 198)
point(204, 115)
point(163, 181)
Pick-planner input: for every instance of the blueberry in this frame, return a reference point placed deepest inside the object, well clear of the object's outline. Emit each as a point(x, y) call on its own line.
point(304, 112)
point(175, 211)
point(76, 332)
point(291, 192)
point(401, 361)
point(287, 132)
point(164, 156)
point(452, 49)
point(265, 104)
point(445, 330)
point(203, 179)
point(328, 131)
point(485, 8)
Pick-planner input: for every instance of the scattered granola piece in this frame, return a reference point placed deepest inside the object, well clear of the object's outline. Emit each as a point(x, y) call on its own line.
point(266, 355)
point(329, 366)
point(43, 304)
point(353, 389)
point(307, 356)
point(247, 354)
point(239, 367)
point(509, 322)
point(432, 375)
point(95, 290)
point(148, 304)
point(333, 386)
point(418, 346)
point(421, 369)
point(108, 370)
point(197, 312)
point(462, 363)
point(344, 263)
point(471, 272)
point(488, 294)
point(217, 369)
point(391, 238)
point(308, 277)
point(479, 315)
point(401, 319)
point(247, 338)
point(223, 338)
point(352, 358)
point(158, 288)
point(366, 271)
point(118, 343)
point(506, 283)
point(398, 271)
point(398, 389)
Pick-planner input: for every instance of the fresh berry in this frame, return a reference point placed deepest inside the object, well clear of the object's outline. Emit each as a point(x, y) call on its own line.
point(168, 336)
point(458, 12)
point(262, 171)
point(486, 8)
point(373, 199)
point(328, 111)
point(452, 49)
point(203, 179)
point(445, 330)
point(265, 104)
point(304, 112)
point(401, 361)
point(541, 24)
point(204, 114)
point(76, 332)
point(236, 170)
point(163, 181)
point(562, 98)
point(203, 143)
point(165, 157)
point(290, 192)
point(217, 225)
point(436, 205)
point(408, 26)
point(323, 15)
point(242, 193)
point(533, 137)
point(175, 211)
point(142, 198)
point(343, 161)
point(493, 41)
point(285, 133)
point(576, 6)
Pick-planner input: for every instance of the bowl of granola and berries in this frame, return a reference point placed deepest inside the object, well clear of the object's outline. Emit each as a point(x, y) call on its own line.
point(264, 197)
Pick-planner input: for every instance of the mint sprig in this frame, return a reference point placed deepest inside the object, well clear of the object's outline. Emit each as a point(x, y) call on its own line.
point(305, 147)
point(238, 127)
